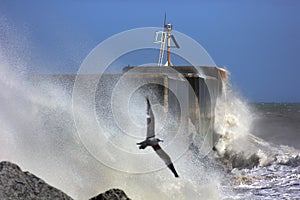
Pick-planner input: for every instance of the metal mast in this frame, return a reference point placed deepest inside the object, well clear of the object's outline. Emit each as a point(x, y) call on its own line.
point(160, 38)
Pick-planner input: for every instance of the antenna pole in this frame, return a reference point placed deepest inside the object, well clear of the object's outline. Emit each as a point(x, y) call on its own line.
point(169, 47)
point(160, 38)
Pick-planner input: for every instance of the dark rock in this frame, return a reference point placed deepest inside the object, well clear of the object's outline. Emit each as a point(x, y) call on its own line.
point(238, 160)
point(16, 184)
point(112, 194)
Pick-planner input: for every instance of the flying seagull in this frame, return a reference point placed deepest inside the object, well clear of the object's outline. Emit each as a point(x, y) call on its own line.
point(153, 142)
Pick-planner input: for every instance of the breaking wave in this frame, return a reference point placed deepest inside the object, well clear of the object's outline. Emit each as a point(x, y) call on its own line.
point(257, 168)
point(237, 147)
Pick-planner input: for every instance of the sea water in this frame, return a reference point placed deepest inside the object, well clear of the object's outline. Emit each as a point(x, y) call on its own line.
point(259, 168)
point(277, 175)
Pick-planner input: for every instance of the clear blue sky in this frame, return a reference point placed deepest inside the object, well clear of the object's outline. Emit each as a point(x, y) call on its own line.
point(258, 41)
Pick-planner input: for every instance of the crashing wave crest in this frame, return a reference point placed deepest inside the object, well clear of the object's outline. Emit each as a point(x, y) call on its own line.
point(237, 147)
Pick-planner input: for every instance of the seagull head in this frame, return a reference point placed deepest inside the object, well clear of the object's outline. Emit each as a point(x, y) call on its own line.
point(159, 140)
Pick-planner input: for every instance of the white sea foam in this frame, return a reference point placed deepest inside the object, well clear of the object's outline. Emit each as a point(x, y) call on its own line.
point(259, 169)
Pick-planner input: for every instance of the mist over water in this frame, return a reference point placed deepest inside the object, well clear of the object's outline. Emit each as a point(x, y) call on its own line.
point(39, 134)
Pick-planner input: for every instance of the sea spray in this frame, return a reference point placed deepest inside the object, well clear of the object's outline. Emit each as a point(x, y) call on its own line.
point(237, 147)
point(39, 134)
point(258, 169)
point(233, 121)
point(45, 142)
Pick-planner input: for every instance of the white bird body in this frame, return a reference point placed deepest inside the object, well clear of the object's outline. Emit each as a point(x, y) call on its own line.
point(152, 141)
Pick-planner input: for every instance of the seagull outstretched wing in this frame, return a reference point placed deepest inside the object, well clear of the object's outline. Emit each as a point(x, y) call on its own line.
point(166, 158)
point(150, 120)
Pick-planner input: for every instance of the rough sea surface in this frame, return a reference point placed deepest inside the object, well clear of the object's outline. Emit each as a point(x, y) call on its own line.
point(276, 159)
